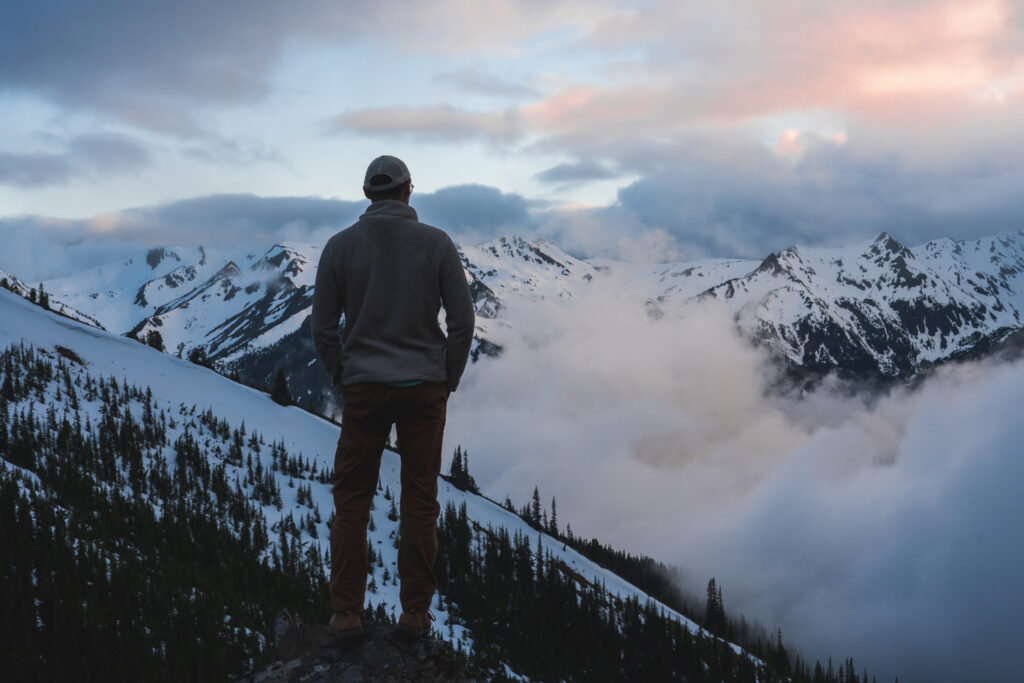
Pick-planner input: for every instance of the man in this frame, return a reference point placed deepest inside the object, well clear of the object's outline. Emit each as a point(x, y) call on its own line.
point(389, 274)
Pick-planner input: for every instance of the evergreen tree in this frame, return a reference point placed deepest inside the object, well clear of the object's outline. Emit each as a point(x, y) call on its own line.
point(459, 472)
point(155, 340)
point(198, 356)
point(279, 393)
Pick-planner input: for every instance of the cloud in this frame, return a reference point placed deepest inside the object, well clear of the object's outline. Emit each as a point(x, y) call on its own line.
point(34, 170)
point(241, 218)
point(430, 124)
point(872, 58)
point(880, 530)
point(158, 66)
point(108, 152)
point(84, 156)
point(141, 62)
point(38, 247)
point(217, 149)
point(891, 533)
point(582, 171)
point(476, 81)
point(611, 233)
point(735, 198)
point(475, 213)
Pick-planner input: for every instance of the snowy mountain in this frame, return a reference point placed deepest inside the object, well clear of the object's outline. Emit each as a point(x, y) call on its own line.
point(873, 310)
point(13, 284)
point(881, 307)
point(167, 442)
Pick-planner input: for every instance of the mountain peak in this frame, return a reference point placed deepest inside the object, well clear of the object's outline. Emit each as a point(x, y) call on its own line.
point(155, 256)
point(885, 247)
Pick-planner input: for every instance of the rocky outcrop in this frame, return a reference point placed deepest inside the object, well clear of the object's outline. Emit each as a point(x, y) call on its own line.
point(315, 654)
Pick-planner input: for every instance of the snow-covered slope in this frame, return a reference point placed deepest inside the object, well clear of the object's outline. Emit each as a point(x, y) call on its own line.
point(515, 269)
point(13, 284)
point(246, 304)
point(881, 307)
point(183, 390)
point(121, 293)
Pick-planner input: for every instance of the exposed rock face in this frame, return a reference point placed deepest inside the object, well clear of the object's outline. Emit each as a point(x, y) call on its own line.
point(315, 654)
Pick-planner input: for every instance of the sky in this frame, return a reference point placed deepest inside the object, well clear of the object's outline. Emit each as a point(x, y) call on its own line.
point(646, 131)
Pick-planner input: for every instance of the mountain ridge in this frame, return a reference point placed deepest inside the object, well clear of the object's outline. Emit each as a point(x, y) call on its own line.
point(874, 310)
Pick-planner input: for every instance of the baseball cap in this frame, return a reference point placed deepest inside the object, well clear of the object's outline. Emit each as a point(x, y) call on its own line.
point(386, 172)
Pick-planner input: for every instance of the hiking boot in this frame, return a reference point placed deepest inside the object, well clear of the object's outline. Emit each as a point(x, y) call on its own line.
point(415, 624)
point(346, 623)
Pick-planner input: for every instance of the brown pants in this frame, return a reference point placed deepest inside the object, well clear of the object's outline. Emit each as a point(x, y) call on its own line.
point(368, 411)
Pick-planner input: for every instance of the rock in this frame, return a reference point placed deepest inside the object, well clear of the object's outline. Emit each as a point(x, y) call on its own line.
point(315, 654)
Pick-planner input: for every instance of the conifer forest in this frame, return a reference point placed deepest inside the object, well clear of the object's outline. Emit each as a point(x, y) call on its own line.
point(137, 545)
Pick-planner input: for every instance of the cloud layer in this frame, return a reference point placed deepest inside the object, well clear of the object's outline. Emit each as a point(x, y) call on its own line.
point(83, 156)
point(883, 531)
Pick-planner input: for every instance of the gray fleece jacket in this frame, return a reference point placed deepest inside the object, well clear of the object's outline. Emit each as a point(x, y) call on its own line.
point(389, 275)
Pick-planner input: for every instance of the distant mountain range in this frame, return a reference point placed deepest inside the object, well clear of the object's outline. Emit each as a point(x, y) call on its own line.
point(874, 310)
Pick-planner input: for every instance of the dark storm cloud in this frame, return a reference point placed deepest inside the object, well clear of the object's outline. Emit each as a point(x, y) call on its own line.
point(82, 156)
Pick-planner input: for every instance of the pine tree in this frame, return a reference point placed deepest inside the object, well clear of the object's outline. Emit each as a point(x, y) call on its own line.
point(155, 340)
point(280, 393)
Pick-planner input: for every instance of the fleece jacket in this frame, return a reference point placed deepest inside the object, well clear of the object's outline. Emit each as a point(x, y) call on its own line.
point(389, 275)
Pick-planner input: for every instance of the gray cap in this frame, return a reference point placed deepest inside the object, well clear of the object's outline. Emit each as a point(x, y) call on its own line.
point(393, 170)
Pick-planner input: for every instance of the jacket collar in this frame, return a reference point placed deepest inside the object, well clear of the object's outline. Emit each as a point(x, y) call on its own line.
point(390, 207)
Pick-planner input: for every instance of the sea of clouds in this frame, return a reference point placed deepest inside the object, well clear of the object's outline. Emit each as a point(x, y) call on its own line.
point(883, 529)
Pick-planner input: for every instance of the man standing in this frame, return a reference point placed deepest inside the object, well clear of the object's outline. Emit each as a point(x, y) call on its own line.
point(389, 274)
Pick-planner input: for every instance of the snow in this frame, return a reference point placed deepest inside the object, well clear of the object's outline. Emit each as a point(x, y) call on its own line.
point(238, 302)
point(180, 387)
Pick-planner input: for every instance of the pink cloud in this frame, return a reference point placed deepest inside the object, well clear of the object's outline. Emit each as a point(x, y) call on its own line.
point(871, 60)
point(863, 59)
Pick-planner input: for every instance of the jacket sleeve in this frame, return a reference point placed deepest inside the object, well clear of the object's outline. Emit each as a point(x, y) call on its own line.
point(328, 307)
point(460, 320)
